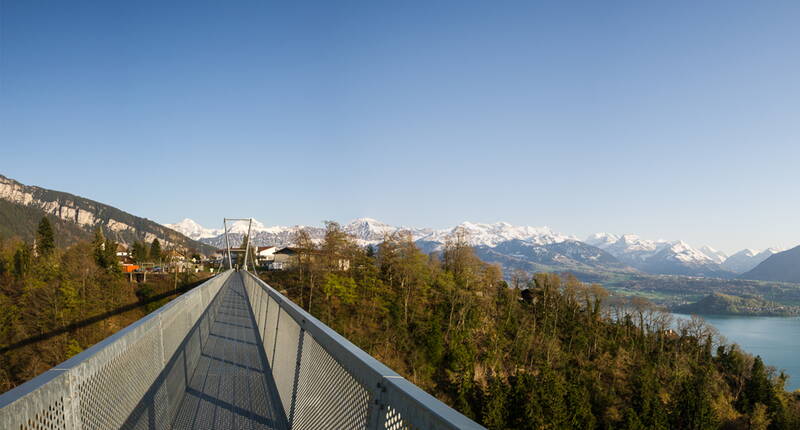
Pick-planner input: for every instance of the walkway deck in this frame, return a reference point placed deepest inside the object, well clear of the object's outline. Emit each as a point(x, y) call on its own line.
point(231, 388)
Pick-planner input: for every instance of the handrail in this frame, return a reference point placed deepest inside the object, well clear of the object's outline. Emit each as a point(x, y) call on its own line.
point(377, 396)
point(103, 385)
point(136, 377)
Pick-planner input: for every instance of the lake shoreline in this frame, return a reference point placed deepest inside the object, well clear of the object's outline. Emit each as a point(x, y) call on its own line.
point(774, 338)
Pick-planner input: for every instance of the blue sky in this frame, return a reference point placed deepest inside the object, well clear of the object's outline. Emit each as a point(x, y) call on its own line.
point(666, 119)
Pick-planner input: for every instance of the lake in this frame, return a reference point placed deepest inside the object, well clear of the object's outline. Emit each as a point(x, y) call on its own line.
point(775, 339)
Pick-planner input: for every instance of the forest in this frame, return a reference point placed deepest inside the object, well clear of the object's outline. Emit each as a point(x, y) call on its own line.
point(525, 351)
point(531, 351)
point(57, 301)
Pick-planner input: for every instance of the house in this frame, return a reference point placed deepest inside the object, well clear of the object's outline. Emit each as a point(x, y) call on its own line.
point(289, 257)
point(284, 259)
point(174, 256)
point(265, 253)
point(122, 250)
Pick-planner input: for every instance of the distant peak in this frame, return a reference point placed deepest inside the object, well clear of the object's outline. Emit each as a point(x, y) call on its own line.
point(366, 220)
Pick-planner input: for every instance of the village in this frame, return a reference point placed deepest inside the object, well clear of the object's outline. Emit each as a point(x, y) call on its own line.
point(267, 258)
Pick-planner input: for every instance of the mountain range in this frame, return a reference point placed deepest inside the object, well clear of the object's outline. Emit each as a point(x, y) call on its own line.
point(514, 247)
point(521, 247)
point(675, 257)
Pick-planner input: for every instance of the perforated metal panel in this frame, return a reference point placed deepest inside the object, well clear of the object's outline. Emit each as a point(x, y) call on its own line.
point(338, 386)
point(271, 329)
point(175, 324)
point(393, 420)
point(110, 392)
point(287, 347)
point(244, 358)
point(52, 417)
point(112, 384)
point(262, 318)
point(328, 397)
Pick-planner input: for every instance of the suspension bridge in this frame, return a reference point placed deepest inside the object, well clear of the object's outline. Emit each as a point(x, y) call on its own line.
point(232, 353)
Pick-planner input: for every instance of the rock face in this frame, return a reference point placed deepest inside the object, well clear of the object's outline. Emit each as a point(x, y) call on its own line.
point(62, 207)
point(23, 206)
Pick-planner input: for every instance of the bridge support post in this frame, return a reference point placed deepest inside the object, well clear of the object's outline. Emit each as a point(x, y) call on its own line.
point(376, 408)
point(296, 381)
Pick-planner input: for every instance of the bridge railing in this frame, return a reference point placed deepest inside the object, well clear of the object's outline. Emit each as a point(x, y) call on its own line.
point(325, 381)
point(103, 386)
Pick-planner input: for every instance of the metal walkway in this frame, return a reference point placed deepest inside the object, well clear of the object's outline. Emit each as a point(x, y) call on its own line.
point(232, 386)
point(233, 353)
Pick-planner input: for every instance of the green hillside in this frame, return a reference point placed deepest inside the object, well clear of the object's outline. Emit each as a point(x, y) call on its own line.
point(22, 206)
point(725, 304)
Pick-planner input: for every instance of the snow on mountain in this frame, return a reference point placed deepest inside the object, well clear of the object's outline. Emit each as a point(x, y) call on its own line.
point(242, 226)
point(681, 251)
point(601, 240)
point(193, 230)
point(652, 256)
point(370, 231)
point(493, 234)
point(661, 256)
point(716, 256)
point(678, 258)
point(747, 259)
point(629, 248)
point(781, 267)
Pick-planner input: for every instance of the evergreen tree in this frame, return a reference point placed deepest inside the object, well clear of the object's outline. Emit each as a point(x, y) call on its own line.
point(139, 252)
point(110, 256)
point(579, 406)
point(45, 239)
point(758, 388)
point(99, 247)
point(693, 409)
point(646, 402)
point(22, 261)
point(155, 250)
point(105, 251)
point(496, 407)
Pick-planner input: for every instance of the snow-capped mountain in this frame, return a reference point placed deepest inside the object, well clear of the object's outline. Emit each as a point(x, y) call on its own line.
point(530, 248)
point(602, 240)
point(369, 231)
point(780, 267)
point(747, 259)
point(493, 234)
point(717, 256)
point(587, 262)
point(514, 247)
point(193, 230)
point(681, 259)
point(661, 256)
point(629, 248)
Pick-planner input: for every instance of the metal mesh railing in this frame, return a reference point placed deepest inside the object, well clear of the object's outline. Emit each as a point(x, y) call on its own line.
point(115, 383)
point(326, 382)
point(139, 377)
